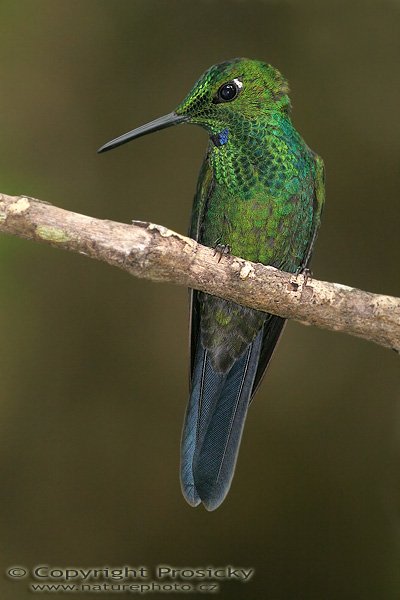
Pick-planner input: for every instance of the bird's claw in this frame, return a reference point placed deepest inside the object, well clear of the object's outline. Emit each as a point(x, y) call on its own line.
point(306, 272)
point(221, 249)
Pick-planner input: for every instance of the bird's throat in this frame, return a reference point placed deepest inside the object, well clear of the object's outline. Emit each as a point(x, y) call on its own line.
point(221, 138)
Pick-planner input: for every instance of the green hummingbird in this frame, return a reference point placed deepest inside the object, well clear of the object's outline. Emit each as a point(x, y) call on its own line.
point(259, 195)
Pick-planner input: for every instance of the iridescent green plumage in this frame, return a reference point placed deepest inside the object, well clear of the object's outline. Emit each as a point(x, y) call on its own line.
point(260, 193)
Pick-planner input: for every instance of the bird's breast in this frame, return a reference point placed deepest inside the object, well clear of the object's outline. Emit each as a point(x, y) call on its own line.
point(262, 208)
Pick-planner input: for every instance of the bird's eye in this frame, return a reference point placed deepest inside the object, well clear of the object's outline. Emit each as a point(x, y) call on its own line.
point(228, 91)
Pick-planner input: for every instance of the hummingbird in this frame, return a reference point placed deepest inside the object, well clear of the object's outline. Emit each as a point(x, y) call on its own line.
point(259, 195)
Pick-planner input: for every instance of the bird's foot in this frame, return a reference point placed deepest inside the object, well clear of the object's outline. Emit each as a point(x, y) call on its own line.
point(306, 272)
point(221, 249)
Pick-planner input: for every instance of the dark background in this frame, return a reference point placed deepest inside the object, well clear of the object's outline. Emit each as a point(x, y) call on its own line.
point(93, 363)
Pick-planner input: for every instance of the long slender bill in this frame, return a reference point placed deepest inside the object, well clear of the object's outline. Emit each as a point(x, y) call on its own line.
point(160, 123)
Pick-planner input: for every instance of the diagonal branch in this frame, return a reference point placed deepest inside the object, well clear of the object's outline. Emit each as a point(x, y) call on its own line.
point(156, 253)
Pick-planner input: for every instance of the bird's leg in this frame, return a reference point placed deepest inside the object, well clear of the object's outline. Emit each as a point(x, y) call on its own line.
point(303, 268)
point(305, 271)
point(221, 249)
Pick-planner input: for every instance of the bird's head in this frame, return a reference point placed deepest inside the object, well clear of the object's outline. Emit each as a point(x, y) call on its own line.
point(225, 97)
point(235, 90)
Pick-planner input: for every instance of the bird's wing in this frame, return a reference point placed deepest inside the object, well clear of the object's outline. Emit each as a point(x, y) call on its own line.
point(205, 186)
point(272, 331)
point(274, 326)
point(319, 187)
point(318, 205)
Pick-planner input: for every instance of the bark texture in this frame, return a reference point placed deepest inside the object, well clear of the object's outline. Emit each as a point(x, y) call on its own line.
point(157, 253)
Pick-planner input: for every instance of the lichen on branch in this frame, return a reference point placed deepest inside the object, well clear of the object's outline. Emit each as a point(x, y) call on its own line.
point(154, 252)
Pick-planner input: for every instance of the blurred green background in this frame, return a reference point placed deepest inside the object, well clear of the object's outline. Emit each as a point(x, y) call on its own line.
point(93, 363)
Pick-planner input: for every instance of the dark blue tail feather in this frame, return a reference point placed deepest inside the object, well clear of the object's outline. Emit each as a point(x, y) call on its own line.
point(213, 425)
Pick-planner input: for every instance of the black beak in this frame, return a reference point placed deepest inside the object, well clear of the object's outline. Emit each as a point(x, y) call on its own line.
point(161, 123)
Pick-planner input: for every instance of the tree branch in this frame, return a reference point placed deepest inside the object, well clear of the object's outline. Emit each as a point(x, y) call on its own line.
point(156, 253)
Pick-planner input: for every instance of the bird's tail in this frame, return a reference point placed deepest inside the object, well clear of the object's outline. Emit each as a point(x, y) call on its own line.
point(213, 425)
